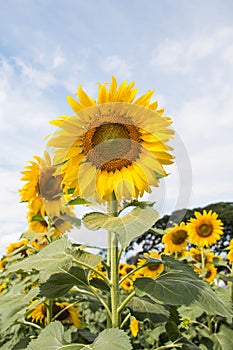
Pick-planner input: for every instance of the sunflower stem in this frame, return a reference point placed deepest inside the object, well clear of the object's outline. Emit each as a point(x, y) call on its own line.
point(113, 259)
point(202, 259)
point(49, 310)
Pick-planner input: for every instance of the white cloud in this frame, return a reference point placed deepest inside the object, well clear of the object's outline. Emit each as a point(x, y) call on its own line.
point(114, 64)
point(182, 55)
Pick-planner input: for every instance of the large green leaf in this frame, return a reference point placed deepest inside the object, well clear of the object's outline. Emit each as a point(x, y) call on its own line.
point(223, 340)
point(13, 305)
point(183, 288)
point(51, 337)
point(128, 227)
point(112, 339)
point(212, 303)
point(144, 307)
point(81, 256)
point(48, 261)
point(60, 283)
point(175, 336)
point(172, 288)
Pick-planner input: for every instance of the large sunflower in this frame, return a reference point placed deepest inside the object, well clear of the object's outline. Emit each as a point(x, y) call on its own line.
point(205, 229)
point(117, 144)
point(43, 183)
point(175, 238)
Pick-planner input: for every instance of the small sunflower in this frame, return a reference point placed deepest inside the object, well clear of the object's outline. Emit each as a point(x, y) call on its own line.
point(124, 269)
point(134, 326)
point(127, 284)
point(69, 316)
point(61, 311)
point(117, 144)
point(230, 254)
point(210, 272)
point(175, 238)
point(197, 257)
point(151, 270)
point(42, 183)
point(205, 229)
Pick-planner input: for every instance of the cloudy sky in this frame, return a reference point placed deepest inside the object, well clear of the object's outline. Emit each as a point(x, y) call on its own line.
point(182, 49)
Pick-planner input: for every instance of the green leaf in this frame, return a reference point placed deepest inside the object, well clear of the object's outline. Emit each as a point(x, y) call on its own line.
point(175, 335)
point(51, 337)
point(49, 260)
point(77, 201)
point(37, 217)
point(144, 307)
point(112, 339)
point(81, 256)
point(212, 303)
point(100, 284)
point(172, 288)
point(127, 227)
point(223, 340)
point(60, 283)
point(14, 304)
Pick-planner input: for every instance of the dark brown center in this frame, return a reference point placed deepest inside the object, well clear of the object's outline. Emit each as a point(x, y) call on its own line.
point(205, 230)
point(112, 142)
point(179, 237)
point(50, 185)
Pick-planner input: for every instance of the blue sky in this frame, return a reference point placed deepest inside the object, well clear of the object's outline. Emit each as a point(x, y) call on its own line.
point(182, 49)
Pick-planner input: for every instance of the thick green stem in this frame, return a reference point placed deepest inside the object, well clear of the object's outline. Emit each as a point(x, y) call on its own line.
point(202, 259)
point(49, 310)
point(113, 260)
point(115, 282)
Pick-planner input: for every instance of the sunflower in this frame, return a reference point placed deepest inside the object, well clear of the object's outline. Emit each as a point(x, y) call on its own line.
point(134, 326)
point(205, 229)
point(43, 186)
point(230, 254)
point(175, 238)
point(15, 246)
point(61, 311)
point(67, 313)
point(127, 284)
point(151, 270)
point(197, 256)
point(117, 144)
point(210, 272)
point(37, 312)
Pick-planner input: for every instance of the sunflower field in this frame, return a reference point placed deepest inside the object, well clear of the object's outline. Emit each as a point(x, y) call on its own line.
point(58, 295)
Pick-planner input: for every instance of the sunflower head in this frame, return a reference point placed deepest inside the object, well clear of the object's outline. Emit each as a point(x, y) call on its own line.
point(151, 270)
point(43, 186)
point(115, 144)
point(209, 274)
point(205, 229)
point(175, 238)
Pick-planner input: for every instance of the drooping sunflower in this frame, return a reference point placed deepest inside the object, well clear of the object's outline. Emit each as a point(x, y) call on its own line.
point(67, 313)
point(38, 223)
point(42, 183)
point(61, 311)
point(175, 238)
point(115, 144)
point(15, 246)
point(205, 229)
point(151, 270)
